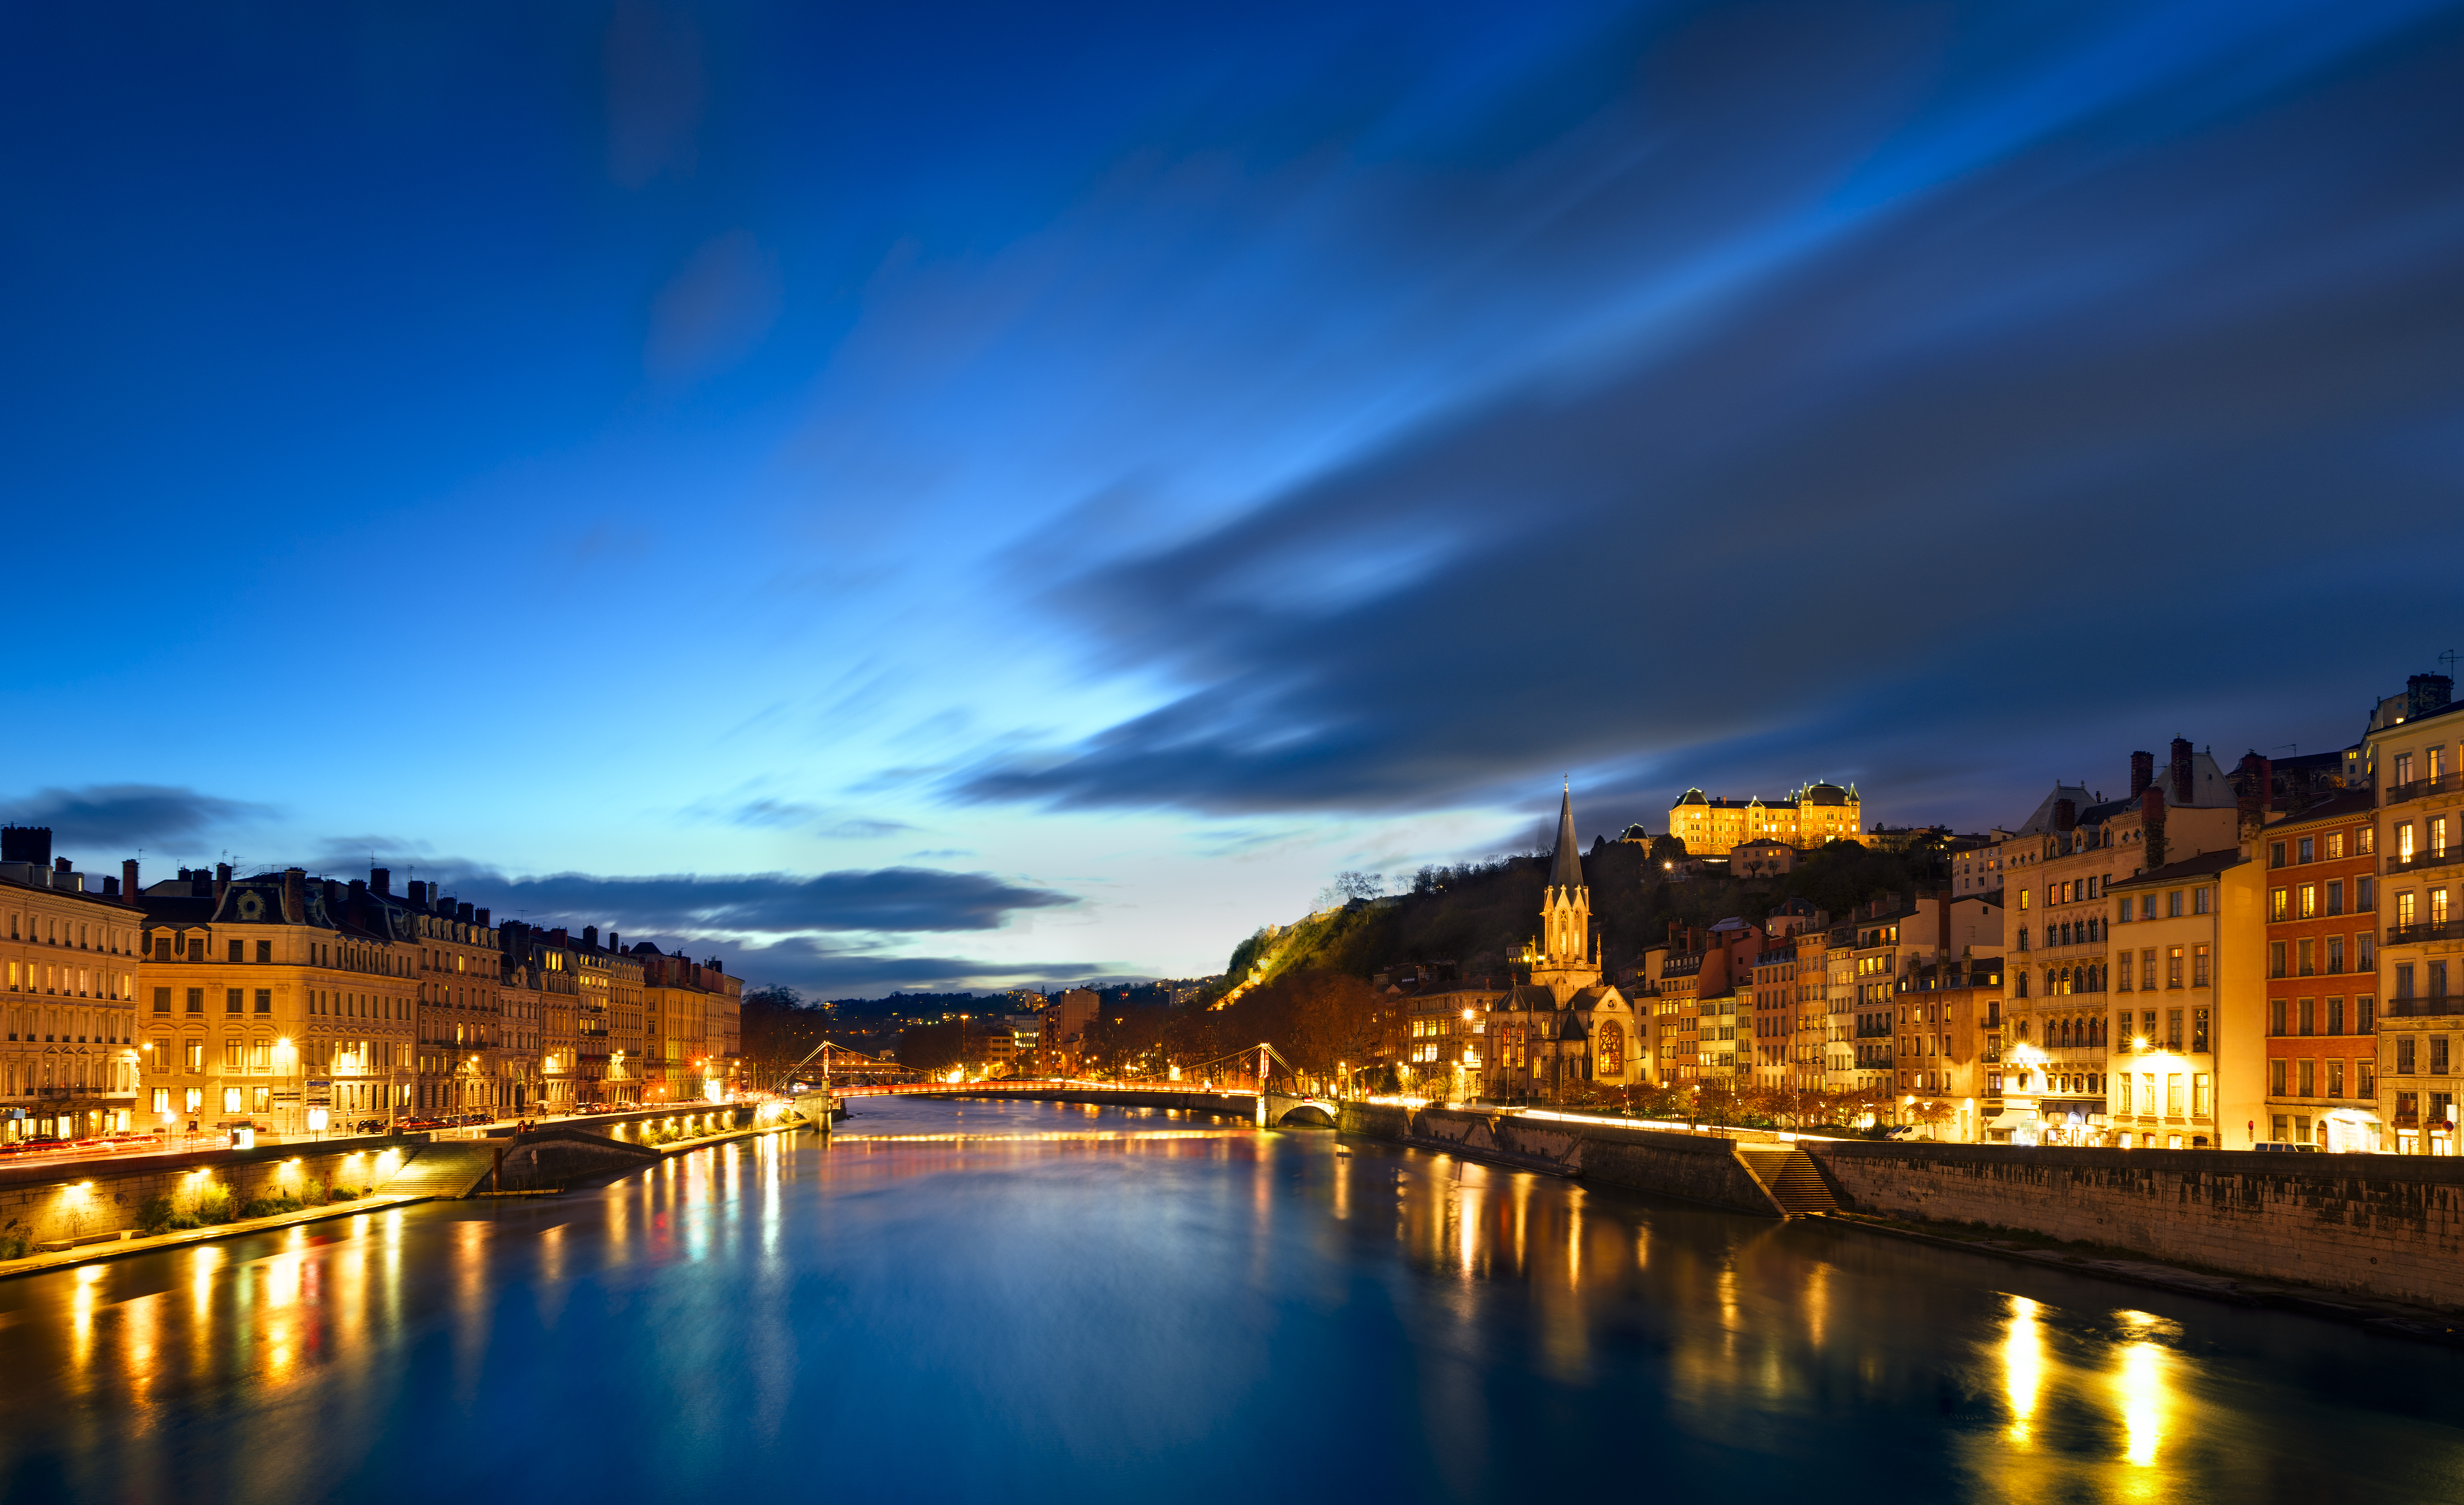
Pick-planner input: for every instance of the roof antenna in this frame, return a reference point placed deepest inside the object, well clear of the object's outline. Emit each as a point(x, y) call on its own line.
point(2448, 658)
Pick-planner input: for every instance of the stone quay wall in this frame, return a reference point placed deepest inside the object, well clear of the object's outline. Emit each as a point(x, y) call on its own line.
point(1695, 1168)
point(90, 1199)
point(2380, 1225)
point(560, 1157)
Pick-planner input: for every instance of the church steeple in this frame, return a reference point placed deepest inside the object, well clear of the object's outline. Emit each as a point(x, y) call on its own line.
point(1567, 871)
point(1567, 960)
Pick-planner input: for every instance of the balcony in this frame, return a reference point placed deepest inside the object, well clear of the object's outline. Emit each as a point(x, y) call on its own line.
point(2398, 865)
point(2415, 934)
point(2421, 788)
point(2436, 1007)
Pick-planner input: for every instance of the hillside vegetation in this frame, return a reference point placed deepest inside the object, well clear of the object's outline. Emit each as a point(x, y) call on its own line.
point(1480, 914)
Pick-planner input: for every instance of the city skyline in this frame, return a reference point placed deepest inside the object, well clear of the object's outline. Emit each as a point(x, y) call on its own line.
point(948, 501)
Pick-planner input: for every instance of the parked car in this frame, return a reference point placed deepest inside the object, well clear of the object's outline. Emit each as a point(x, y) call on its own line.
point(2288, 1146)
point(420, 1125)
point(370, 1127)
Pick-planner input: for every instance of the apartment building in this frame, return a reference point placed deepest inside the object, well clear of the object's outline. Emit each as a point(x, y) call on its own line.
point(275, 1000)
point(541, 986)
point(2322, 974)
point(688, 1011)
point(468, 1060)
point(1949, 1028)
point(2185, 1050)
point(2413, 744)
point(1842, 1051)
point(69, 1064)
point(1976, 863)
point(609, 1022)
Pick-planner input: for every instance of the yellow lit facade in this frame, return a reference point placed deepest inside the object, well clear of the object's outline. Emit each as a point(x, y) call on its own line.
point(69, 963)
point(276, 1000)
point(1807, 819)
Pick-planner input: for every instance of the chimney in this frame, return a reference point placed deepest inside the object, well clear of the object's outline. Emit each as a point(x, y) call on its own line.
point(2253, 782)
point(2182, 791)
point(462, 912)
point(2425, 693)
point(295, 895)
point(2143, 772)
point(590, 935)
point(2065, 814)
point(359, 894)
point(2151, 818)
point(614, 941)
point(479, 918)
point(111, 888)
point(558, 938)
point(417, 888)
point(30, 844)
point(333, 898)
point(380, 878)
point(128, 878)
point(222, 883)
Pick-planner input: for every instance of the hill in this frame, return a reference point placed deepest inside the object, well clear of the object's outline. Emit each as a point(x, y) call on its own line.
point(1479, 915)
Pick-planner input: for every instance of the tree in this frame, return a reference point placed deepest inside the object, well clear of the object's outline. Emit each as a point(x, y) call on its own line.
point(1933, 1112)
point(932, 1049)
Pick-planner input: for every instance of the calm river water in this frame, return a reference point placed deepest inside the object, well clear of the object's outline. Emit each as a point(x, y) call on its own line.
point(978, 1301)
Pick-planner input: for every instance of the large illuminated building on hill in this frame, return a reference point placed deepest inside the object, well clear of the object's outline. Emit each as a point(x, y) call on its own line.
point(1811, 816)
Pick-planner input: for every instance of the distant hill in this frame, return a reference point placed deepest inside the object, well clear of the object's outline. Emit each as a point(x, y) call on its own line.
point(1480, 914)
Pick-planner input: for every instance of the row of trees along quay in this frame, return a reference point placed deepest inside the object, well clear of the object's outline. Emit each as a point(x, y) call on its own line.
point(1305, 988)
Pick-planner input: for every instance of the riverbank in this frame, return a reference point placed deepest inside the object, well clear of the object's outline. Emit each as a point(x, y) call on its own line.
point(97, 1250)
point(2370, 1240)
point(2022, 1247)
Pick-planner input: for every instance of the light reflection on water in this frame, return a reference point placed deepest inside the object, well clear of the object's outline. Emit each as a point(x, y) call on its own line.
point(968, 1300)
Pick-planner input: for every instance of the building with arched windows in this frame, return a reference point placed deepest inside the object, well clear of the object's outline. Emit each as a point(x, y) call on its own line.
point(1561, 1027)
point(1811, 816)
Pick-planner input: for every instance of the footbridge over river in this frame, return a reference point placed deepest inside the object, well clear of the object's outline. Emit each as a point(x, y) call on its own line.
point(1274, 1107)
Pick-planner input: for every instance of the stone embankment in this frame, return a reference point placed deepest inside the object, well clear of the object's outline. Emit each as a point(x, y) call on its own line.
point(1698, 1167)
point(2383, 1227)
point(58, 1206)
point(82, 1201)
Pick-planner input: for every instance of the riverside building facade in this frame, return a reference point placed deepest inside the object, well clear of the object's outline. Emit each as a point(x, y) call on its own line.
point(2415, 743)
point(2187, 1053)
point(277, 1001)
point(2322, 976)
point(69, 951)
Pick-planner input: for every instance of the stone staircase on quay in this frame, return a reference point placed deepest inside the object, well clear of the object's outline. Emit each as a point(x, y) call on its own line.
point(452, 1169)
point(1792, 1178)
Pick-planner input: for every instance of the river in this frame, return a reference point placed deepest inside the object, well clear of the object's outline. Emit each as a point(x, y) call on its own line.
point(980, 1300)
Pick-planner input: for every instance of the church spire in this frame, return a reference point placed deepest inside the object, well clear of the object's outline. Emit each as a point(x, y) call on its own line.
point(1568, 870)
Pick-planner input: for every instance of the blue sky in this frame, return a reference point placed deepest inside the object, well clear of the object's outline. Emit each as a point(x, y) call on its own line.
point(929, 496)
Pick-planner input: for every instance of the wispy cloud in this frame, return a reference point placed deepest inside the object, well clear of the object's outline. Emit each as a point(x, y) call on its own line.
point(878, 900)
point(828, 971)
point(2018, 330)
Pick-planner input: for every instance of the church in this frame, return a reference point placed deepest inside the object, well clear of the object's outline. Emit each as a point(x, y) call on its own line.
point(1561, 1026)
